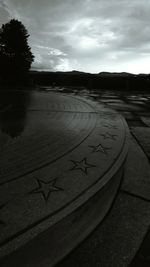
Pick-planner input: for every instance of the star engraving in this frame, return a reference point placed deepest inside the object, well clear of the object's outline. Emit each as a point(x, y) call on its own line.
point(82, 165)
point(109, 136)
point(110, 126)
point(100, 148)
point(46, 188)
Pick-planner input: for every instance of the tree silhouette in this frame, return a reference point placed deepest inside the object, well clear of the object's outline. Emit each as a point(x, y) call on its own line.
point(15, 54)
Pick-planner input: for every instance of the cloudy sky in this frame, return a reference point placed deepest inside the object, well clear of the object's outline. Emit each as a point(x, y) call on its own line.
point(85, 35)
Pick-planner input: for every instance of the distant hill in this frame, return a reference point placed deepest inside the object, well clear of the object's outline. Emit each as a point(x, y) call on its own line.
point(115, 74)
point(103, 80)
point(74, 73)
point(102, 74)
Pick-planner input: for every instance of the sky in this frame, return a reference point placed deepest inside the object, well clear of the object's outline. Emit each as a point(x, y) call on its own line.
point(85, 35)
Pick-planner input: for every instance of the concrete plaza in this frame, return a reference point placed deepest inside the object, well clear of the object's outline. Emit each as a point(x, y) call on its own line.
point(118, 238)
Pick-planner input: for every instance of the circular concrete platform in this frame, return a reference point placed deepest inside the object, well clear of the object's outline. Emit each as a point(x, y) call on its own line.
point(61, 165)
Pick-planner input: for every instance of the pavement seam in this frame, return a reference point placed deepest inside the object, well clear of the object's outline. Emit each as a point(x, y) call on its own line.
point(137, 260)
point(123, 191)
point(138, 142)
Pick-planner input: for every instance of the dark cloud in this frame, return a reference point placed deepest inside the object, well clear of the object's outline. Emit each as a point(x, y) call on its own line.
point(89, 35)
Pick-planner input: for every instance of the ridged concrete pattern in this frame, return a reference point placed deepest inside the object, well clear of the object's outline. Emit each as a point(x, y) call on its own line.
point(68, 151)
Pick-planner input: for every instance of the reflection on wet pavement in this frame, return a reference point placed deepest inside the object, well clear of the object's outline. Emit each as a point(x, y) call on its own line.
point(132, 105)
point(13, 112)
point(15, 109)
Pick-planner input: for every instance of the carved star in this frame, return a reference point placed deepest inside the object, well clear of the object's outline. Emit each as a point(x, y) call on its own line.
point(82, 165)
point(109, 136)
point(46, 188)
point(110, 126)
point(100, 148)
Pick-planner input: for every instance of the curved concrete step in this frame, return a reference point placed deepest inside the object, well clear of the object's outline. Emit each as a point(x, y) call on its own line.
point(58, 177)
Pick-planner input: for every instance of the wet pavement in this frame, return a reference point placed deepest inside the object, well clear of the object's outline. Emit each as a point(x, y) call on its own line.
point(135, 108)
point(60, 155)
point(123, 239)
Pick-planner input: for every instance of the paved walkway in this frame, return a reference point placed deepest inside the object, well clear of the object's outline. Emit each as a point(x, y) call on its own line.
point(116, 241)
point(123, 239)
point(62, 158)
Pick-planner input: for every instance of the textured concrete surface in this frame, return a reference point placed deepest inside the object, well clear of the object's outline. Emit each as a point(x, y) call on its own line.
point(146, 120)
point(118, 239)
point(123, 238)
point(57, 151)
point(115, 242)
point(137, 172)
point(136, 111)
point(142, 134)
point(51, 245)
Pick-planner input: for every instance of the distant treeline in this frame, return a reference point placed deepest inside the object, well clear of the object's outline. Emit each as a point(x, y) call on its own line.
point(118, 81)
point(103, 80)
